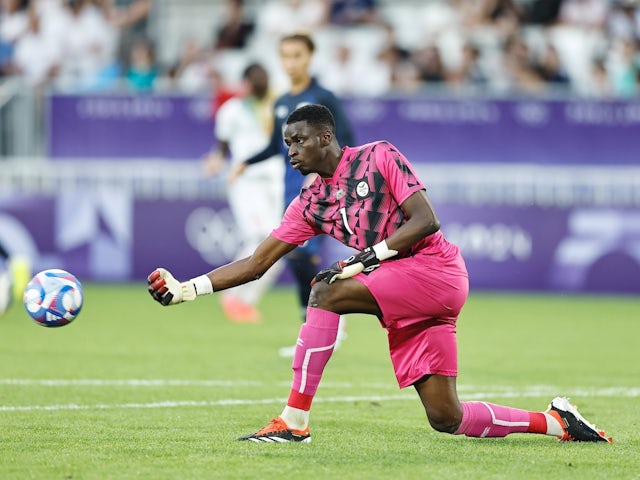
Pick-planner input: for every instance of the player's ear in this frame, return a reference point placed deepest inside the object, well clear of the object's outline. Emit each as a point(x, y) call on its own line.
point(326, 137)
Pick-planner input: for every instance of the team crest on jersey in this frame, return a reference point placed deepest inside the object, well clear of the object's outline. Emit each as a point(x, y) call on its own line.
point(362, 189)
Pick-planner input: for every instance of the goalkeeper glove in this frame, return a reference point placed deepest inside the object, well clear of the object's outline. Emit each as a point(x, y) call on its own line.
point(366, 261)
point(166, 290)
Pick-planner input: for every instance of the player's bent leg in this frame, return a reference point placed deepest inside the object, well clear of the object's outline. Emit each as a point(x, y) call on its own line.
point(344, 296)
point(316, 343)
point(473, 419)
point(483, 419)
point(314, 347)
point(440, 399)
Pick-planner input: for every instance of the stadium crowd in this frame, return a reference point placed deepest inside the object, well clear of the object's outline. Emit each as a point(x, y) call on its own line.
point(366, 47)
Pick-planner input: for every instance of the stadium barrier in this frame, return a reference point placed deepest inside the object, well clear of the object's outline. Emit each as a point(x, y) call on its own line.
point(566, 218)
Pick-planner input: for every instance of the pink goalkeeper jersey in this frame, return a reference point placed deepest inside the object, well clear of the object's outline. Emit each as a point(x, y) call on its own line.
point(360, 204)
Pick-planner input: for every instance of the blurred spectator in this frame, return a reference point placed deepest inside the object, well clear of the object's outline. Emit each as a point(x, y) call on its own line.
point(392, 69)
point(142, 71)
point(54, 19)
point(131, 20)
point(13, 14)
point(14, 23)
point(585, 13)
point(520, 72)
point(192, 72)
point(428, 61)
point(342, 76)
point(236, 30)
point(36, 58)
point(519, 46)
point(400, 72)
point(624, 68)
point(281, 17)
point(470, 73)
point(504, 15)
point(352, 12)
point(88, 47)
point(624, 20)
point(550, 67)
point(129, 15)
point(345, 75)
point(542, 12)
point(598, 84)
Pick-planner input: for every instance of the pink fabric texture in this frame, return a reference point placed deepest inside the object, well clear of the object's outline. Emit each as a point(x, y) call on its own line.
point(358, 213)
point(420, 298)
point(424, 348)
point(314, 347)
point(482, 419)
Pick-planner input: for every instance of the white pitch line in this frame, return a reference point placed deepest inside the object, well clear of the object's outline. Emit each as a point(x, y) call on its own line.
point(152, 383)
point(467, 393)
point(187, 403)
point(127, 383)
point(464, 390)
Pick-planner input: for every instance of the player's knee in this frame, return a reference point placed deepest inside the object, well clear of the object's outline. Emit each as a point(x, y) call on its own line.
point(318, 296)
point(322, 296)
point(445, 420)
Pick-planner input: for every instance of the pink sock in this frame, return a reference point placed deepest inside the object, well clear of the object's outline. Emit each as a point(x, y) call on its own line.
point(313, 349)
point(482, 419)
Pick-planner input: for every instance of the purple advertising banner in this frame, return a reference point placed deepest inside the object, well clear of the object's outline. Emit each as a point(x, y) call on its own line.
point(425, 129)
point(143, 126)
point(512, 131)
point(115, 237)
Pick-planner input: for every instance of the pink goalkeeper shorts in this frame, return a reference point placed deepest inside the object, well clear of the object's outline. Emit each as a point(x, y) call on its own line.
point(420, 298)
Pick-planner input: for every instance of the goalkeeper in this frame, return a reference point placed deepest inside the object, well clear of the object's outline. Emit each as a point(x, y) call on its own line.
point(406, 273)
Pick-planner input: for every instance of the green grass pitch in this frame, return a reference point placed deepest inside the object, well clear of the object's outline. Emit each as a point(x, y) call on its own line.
point(131, 390)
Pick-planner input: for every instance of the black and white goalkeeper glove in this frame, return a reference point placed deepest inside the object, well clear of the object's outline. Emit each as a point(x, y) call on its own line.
point(166, 290)
point(366, 261)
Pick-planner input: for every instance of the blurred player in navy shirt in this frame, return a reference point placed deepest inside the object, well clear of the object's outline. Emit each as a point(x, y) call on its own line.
point(296, 52)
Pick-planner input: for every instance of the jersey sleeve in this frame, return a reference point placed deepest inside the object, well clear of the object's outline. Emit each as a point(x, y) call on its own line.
point(294, 228)
point(398, 172)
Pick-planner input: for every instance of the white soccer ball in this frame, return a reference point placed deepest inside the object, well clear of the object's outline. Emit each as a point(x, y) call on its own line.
point(53, 298)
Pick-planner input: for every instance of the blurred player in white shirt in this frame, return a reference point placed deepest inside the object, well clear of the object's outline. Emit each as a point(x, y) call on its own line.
point(242, 128)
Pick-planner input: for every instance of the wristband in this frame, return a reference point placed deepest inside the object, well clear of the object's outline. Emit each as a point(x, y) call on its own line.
point(382, 251)
point(202, 285)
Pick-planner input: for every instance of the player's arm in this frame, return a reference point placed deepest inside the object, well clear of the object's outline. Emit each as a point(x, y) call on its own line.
point(273, 148)
point(215, 159)
point(165, 289)
point(421, 221)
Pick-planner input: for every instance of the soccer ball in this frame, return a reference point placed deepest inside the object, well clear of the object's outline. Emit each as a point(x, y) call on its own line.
point(53, 298)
